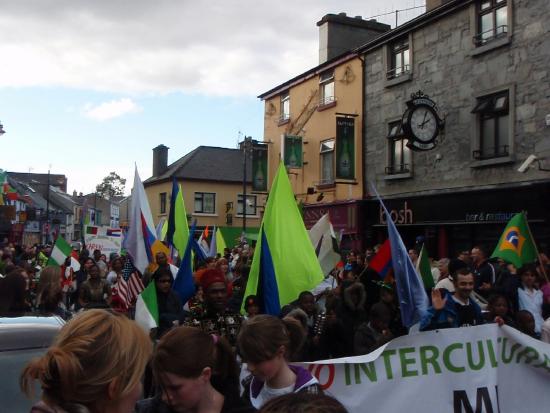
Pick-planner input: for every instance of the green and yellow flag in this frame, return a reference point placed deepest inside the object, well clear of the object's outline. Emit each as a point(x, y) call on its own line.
point(516, 244)
point(284, 263)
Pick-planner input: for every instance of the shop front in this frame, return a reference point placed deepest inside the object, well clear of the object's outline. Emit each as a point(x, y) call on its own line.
point(454, 221)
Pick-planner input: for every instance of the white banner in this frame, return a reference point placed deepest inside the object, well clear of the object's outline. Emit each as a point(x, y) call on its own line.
point(107, 240)
point(482, 369)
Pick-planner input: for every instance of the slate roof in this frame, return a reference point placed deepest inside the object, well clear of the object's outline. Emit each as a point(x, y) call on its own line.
point(41, 179)
point(207, 163)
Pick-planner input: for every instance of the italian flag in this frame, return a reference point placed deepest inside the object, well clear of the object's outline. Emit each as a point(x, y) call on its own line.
point(61, 250)
point(147, 311)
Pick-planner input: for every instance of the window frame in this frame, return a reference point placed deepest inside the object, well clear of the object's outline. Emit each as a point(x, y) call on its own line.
point(487, 110)
point(162, 202)
point(494, 6)
point(325, 80)
point(322, 155)
point(476, 125)
point(240, 204)
point(395, 49)
point(284, 106)
point(201, 196)
point(396, 136)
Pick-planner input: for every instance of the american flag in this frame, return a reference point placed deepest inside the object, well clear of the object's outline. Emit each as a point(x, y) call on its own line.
point(129, 285)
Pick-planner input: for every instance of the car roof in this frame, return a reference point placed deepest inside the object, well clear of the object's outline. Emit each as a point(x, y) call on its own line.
point(27, 332)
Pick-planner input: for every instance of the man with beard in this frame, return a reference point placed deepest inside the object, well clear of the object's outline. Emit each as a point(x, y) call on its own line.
point(456, 309)
point(215, 319)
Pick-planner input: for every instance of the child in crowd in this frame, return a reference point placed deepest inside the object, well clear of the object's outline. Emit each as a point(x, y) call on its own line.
point(526, 323)
point(529, 296)
point(251, 306)
point(369, 336)
point(498, 306)
point(265, 343)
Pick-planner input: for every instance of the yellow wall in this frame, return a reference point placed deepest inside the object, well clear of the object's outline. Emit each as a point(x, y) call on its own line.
point(315, 126)
point(225, 192)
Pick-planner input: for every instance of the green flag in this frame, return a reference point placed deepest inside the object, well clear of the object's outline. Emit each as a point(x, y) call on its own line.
point(147, 311)
point(60, 251)
point(284, 263)
point(220, 242)
point(424, 268)
point(177, 229)
point(516, 244)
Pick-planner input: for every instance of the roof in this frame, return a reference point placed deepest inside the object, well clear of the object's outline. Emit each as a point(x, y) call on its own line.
point(207, 163)
point(385, 37)
point(41, 179)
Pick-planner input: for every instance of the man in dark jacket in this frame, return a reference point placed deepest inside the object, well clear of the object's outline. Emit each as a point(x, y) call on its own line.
point(453, 310)
point(169, 303)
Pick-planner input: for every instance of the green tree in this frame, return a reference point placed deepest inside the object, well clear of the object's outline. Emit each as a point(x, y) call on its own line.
point(111, 186)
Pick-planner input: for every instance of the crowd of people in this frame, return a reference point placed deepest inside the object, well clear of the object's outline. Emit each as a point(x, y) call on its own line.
point(192, 361)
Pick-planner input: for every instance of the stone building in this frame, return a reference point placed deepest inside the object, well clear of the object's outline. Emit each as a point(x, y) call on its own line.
point(486, 65)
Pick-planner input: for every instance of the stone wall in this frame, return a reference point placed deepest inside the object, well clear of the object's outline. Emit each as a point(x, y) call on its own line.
point(448, 67)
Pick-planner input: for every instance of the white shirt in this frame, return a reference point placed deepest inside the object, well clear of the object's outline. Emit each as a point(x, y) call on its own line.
point(267, 393)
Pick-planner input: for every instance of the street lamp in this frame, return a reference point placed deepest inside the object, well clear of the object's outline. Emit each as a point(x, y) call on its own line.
point(247, 147)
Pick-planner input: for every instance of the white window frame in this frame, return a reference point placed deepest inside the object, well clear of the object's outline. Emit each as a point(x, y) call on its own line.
point(326, 88)
point(285, 106)
point(327, 146)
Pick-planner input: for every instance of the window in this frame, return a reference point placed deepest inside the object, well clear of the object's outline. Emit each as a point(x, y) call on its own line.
point(327, 162)
point(251, 204)
point(205, 203)
point(162, 196)
point(399, 153)
point(285, 106)
point(492, 21)
point(399, 58)
point(493, 116)
point(326, 84)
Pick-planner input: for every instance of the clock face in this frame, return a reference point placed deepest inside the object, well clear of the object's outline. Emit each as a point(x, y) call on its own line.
point(423, 123)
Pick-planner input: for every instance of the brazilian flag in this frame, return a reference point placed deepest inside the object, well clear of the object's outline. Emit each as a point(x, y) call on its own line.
point(516, 244)
point(284, 263)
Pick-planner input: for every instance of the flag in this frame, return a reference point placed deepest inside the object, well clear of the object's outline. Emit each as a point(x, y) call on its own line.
point(424, 268)
point(203, 241)
point(324, 241)
point(177, 233)
point(284, 262)
point(91, 230)
point(129, 286)
point(413, 301)
point(60, 251)
point(516, 244)
point(147, 310)
point(213, 250)
point(220, 242)
point(183, 284)
point(114, 232)
point(141, 234)
point(382, 261)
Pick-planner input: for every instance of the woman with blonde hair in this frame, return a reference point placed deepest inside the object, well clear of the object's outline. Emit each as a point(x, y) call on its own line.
point(94, 365)
point(49, 298)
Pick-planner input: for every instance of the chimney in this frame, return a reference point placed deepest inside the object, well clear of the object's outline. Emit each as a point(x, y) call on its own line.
point(339, 33)
point(160, 160)
point(433, 4)
point(74, 193)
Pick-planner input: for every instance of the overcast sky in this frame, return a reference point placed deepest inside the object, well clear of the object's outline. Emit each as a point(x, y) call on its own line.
point(90, 87)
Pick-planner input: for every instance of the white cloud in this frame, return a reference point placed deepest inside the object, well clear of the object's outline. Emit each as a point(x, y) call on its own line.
point(111, 110)
point(215, 47)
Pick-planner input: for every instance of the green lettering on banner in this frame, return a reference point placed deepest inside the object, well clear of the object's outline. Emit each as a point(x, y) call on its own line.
point(545, 364)
point(503, 357)
point(447, 358)
point(492, 356)
point(347, 377)
point(529, 353)
point(426, 359)
point(405, 362)
point(368, 368)
point(469, 355)
point(387, 363)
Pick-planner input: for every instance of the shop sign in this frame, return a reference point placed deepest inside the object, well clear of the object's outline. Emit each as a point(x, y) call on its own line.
point(398, 216)
point(32, 226)
point(489, 216)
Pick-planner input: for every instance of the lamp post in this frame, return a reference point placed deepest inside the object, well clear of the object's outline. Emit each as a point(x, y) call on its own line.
point(247, 146)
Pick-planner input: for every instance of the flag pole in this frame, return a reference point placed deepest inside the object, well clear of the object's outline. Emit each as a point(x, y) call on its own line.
point(535, 244)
